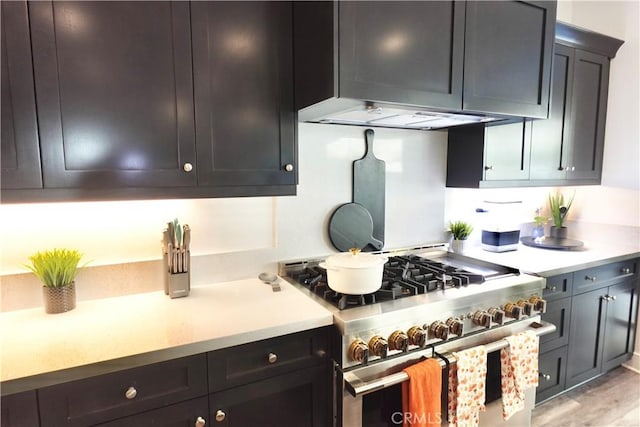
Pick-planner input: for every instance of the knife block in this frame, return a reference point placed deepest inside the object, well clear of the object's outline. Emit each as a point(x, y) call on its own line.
point(177, 285)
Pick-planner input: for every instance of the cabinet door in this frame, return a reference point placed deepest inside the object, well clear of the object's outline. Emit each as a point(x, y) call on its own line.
point(19, 410)
point(585, 332)
point(20, 147)
point(297, 399)
point(508, 53)
point(558, 313)
point(620, 324)
point(552, 368)
point(407, 52)
point(185, 414)
point(115, 94)
point(551, 139)
point(506, 151)
point(588, 112)
point(243, 76)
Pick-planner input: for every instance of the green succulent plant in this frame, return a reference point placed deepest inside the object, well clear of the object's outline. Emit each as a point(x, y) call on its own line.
point(56, 267)
point(460, 229)
point(559, 208)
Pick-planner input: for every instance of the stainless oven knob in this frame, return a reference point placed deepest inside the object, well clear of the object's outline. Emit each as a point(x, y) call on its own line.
point(497, 315)
point(456, 326)
point(398, 340)
point(439, 330)
point(481, 318)
point(539, 304)
point(378, 346)
point(514, 311)
point(417, 336)
point(527, 307)
point(358, 351)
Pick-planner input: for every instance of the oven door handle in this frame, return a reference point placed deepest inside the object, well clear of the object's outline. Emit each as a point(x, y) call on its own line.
point(356, 386)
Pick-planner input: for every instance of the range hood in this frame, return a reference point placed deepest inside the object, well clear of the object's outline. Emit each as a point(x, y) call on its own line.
point(357, 63)
point(373, 114)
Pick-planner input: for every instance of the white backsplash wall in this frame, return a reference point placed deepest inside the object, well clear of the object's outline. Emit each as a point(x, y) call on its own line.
point(236, 237)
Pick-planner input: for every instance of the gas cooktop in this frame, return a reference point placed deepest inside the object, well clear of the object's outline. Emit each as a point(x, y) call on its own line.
point(407, 273)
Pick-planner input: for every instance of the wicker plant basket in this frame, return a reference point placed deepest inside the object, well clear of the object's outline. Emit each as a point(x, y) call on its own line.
point(59, 299)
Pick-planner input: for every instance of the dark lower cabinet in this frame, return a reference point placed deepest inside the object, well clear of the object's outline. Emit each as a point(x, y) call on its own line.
point(20, 148)
point(552, 370)
point(296, 399)
point(280, 381)
point(19, 410)
point(192, 413)
point(603, 323)
point(594, 311)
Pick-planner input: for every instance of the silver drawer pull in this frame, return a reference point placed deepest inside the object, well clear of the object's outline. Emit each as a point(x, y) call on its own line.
point(552, 288)
point(273, 358)
point(625, 271)
point(200, 422)
point(592, 278)
point(131, 393)
point(220, 415)
point(545, 377)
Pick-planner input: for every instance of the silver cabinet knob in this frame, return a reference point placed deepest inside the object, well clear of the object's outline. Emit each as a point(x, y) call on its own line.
point(591, 278)
point(573, 168)
point(188, 167)
point(545, 377)
point(488, 168)
point(200, 422)
point(552, 288)
point(288, 167)
point(612, 298)
point(273, 358)
point(220, 415)
point(131, 393)
point(625, 271)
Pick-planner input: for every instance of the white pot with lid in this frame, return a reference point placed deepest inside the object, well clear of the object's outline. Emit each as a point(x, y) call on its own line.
point(354, 272)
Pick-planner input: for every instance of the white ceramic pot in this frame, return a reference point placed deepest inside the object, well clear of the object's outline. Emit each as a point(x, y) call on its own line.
point(354, 273)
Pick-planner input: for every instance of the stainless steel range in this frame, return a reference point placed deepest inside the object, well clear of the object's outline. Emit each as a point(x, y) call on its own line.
point(430, 302)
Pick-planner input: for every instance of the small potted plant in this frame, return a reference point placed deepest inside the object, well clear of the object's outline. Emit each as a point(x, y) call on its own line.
point(559, 210)
point(538, 228)
point(57, 269)
point(460, 231)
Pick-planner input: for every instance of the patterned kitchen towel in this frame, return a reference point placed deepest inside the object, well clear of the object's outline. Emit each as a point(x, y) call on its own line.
point(519, 366)
point(466, 394)
point(421, 394)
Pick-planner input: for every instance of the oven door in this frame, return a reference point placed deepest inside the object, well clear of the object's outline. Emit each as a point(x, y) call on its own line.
point(371, 396)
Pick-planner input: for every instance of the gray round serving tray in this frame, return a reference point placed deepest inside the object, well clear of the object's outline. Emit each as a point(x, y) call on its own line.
point(552, 243)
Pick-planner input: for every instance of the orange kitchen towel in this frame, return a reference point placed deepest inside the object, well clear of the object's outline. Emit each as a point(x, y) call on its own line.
point(466, 394)
point(421, 394)
point(519, 370)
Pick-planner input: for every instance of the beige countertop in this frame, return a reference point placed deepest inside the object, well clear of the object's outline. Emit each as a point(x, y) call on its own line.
point(106, 335)
point(550, 262)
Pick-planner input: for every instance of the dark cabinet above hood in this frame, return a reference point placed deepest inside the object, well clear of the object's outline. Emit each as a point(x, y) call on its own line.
point(422, 65)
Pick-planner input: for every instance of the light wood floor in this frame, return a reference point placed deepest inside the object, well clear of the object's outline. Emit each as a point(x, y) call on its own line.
point(612, 400)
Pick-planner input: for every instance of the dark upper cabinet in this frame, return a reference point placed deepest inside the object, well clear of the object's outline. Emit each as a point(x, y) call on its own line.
point(114, 93)
point(491, 156)
point(508, 54)
point(567, 148)
point(588, 114)
point(406, 52)
point(20, 148)
point(570, 145)
point(551, 138)
point(243, 73)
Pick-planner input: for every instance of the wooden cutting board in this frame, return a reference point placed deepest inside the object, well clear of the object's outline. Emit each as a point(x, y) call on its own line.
point(369, 185)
